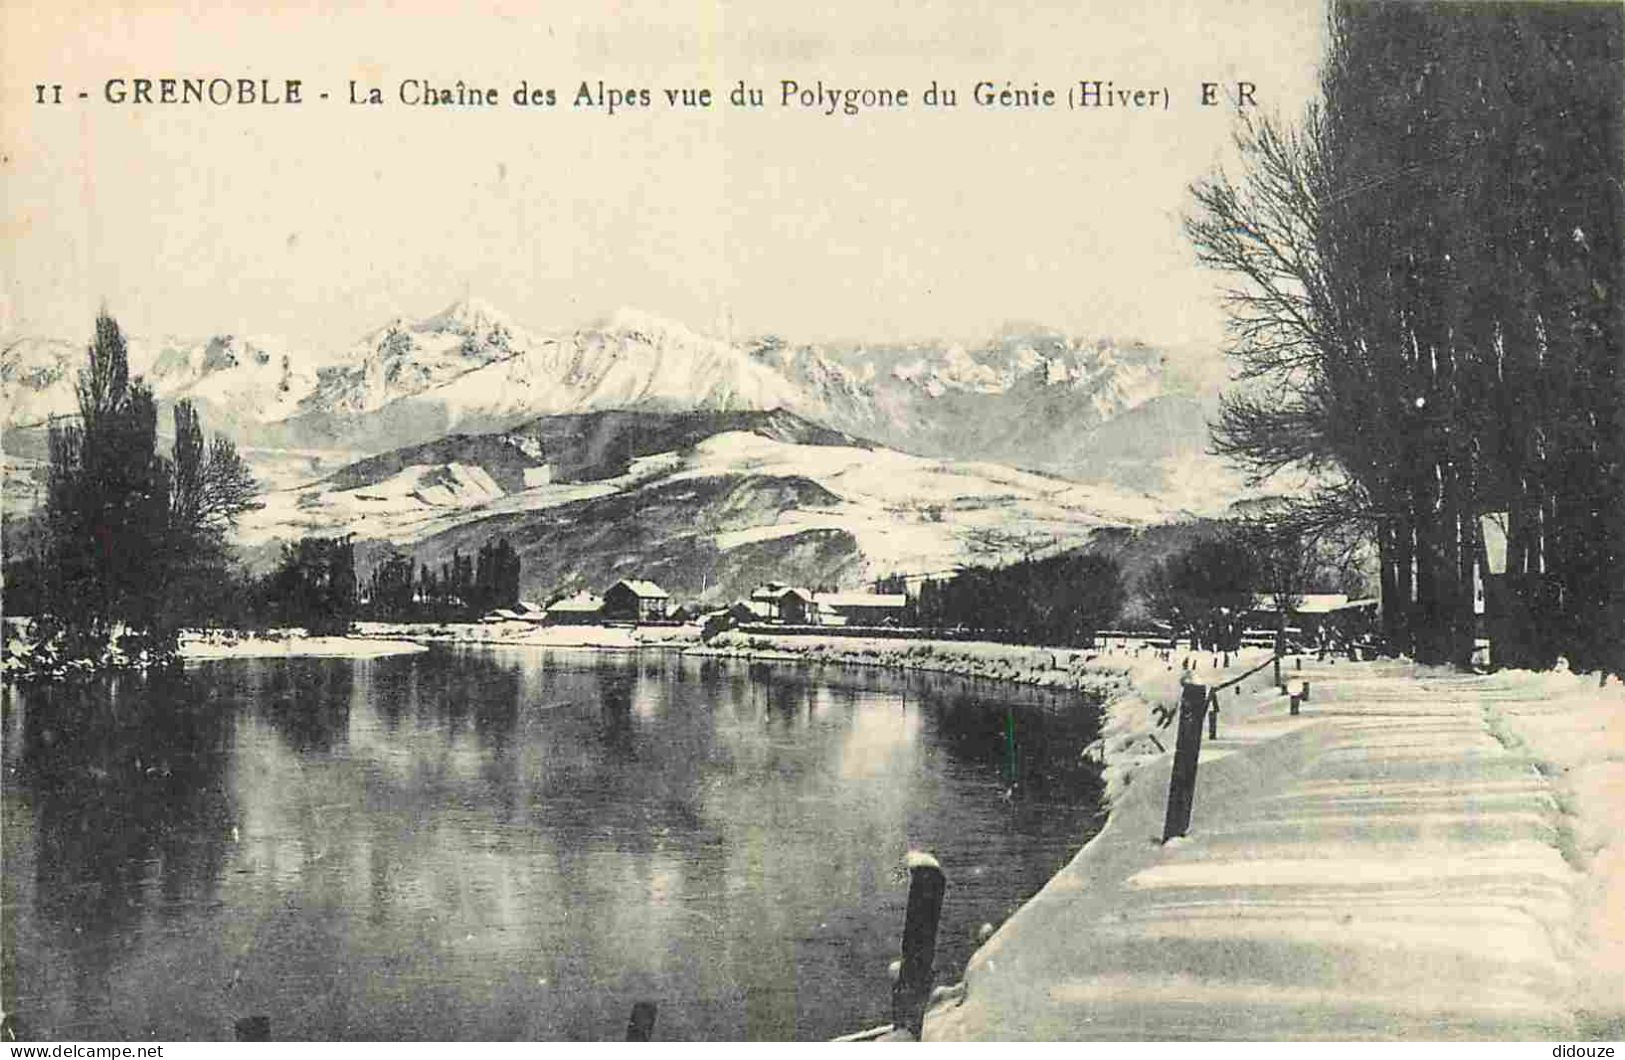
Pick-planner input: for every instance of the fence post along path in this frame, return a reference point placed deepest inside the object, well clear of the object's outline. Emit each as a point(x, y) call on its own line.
point(911, 991)
point(1193, 702)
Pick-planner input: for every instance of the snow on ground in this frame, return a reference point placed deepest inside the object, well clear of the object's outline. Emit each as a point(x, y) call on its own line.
point(1419, 854)
point(1573, 730)
point(906, 481)
point(1393, 863)
point(515, 633)
point(422, 500)
point(288, 644)
point(284, 469)
point(915, 513)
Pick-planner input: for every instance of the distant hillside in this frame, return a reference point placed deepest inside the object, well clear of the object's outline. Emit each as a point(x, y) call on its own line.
point(583, 447)
point(669, 533)
point(729, 494)
point(589, 446)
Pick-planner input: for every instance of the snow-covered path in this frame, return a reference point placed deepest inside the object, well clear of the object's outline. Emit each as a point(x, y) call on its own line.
point(1389, 864)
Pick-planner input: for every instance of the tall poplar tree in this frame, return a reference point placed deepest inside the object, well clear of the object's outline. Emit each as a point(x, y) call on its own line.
point(1427, 312)
point(107, 506)
point(133, 542)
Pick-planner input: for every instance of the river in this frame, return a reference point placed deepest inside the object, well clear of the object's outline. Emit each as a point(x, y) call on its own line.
point(513, 844)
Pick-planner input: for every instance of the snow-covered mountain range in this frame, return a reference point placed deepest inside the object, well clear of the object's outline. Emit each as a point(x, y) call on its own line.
point(240, 383)
point(1031, 397)
point(641, 445)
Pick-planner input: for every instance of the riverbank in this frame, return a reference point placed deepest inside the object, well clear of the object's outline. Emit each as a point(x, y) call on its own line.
point(1418, 854)
point(532, 635)
point(279, 644)
point(1135, 684)
point(1132, 683)
point(747, 817)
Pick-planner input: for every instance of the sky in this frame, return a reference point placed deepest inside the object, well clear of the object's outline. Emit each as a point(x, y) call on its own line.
point(317, 223)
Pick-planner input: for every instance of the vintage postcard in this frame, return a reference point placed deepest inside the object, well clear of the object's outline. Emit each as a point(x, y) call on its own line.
point(709, 521)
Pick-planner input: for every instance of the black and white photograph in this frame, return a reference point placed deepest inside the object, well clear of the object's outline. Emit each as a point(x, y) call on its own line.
point(855, 522)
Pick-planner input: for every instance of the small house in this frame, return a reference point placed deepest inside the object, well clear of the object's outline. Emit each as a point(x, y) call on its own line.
point(786, 603)
point(747, 612)
point(767, 594)
point(1315, 612)
point(864, 609)
point(582, 609)
point(632, 600)
point(796, 607)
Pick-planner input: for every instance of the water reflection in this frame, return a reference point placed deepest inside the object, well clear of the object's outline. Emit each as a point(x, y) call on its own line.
point(129, 813)
point(512, 844)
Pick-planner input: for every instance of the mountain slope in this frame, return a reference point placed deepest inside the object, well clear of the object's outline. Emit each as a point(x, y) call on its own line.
point(706, 498)
point(411, 383)
point(671, 532)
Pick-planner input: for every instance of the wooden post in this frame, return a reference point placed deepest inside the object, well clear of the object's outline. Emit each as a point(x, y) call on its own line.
point(909, 993)
point(1213, 717)
point(641, 1027)
point(1299, 662)
point(253, 1029)
point(1187, 748)
point(1294, 702)
point(1304, 691)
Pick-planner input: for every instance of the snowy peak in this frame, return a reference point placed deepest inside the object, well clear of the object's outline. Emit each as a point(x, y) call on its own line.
point(241, 381)
point(1028, 396)
point(466, 316)
point(635, 358)
point(641, 326)
point(1128, 375)
point(37, 376)
point(405, 358)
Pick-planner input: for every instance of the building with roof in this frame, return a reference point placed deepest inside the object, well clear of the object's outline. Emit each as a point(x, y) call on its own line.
point(862, 609)
point(579, 610)
point(1314, 612)
point(745, 612)
point(786, 603)
point(633, 600)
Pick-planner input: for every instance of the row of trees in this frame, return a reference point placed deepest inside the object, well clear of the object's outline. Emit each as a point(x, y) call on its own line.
point(1207, 590)
point(1061, 599)
point(1203, 592)
point(313, 587)
point(1426, 318)
point(464, 586)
